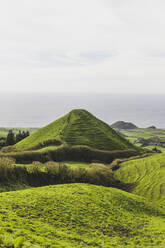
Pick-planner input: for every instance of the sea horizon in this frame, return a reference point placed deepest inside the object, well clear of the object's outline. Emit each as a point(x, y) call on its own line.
point(39, 109)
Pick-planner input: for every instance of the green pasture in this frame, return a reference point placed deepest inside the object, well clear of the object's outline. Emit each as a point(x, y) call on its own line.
point(79, 215)
point(147, 175)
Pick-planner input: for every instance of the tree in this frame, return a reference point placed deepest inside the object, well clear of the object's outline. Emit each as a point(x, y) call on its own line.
point(18, 136)
point(27, 133)
point(21, 135)
point(10, 138)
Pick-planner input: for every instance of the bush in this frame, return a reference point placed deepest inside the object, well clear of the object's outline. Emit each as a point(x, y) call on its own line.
point(6, 168)
point(8, 149)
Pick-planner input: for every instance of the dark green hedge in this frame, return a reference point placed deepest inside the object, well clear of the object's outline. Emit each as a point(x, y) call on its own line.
point(71, 153)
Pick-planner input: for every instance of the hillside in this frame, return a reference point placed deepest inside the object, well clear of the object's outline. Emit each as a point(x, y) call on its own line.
point(78, 127)
point(148, 176)
point(79, 215)
point(123, 125)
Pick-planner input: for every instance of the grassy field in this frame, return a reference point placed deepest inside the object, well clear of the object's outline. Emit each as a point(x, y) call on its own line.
point(148, 176)
point(79, 215)
point(145, 133)
point(78, 127)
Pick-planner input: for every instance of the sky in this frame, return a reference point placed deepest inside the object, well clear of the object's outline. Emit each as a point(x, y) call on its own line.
point(113, 46)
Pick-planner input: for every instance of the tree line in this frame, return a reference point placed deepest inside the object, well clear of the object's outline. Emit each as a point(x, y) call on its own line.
point(12, 138)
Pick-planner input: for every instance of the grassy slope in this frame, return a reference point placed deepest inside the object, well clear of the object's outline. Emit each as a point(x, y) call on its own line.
point(148, 174)
point(78, 127)
point(79, 215)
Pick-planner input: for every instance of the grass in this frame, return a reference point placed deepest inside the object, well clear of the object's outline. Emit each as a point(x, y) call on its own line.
point(147, 175)
point(162, 149)
point(79, 215)
point(48, 148)
point(78, 127)
point(77, 164)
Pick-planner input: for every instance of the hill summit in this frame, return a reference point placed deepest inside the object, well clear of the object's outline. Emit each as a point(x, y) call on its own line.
point(78, 127)
point(123, 125)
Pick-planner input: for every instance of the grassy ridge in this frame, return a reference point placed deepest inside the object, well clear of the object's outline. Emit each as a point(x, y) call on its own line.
point(79, 215)
point(79, 127)
point(148, 175)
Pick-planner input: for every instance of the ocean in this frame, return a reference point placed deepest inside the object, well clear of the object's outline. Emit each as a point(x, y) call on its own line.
point(39, 109)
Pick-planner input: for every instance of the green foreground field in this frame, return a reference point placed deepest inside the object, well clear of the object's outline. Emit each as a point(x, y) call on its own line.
point(79, 215)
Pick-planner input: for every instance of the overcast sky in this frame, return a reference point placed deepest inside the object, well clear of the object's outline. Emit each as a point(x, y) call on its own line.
point(82, 45)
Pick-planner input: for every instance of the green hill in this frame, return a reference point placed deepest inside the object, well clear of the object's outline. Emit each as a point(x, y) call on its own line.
point(79, 215)
point(78, 127)
point(123, 125)
point(148, 176)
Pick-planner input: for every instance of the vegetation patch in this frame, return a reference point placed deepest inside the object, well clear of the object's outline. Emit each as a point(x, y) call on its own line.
point(13, 176)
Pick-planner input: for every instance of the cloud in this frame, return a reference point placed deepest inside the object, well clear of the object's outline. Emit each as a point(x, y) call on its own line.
point(156, 53)
point(96, 45)
point(56, 59)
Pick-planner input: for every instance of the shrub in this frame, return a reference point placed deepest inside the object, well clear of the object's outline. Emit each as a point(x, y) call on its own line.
point(7, 149)
point(6, 168)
